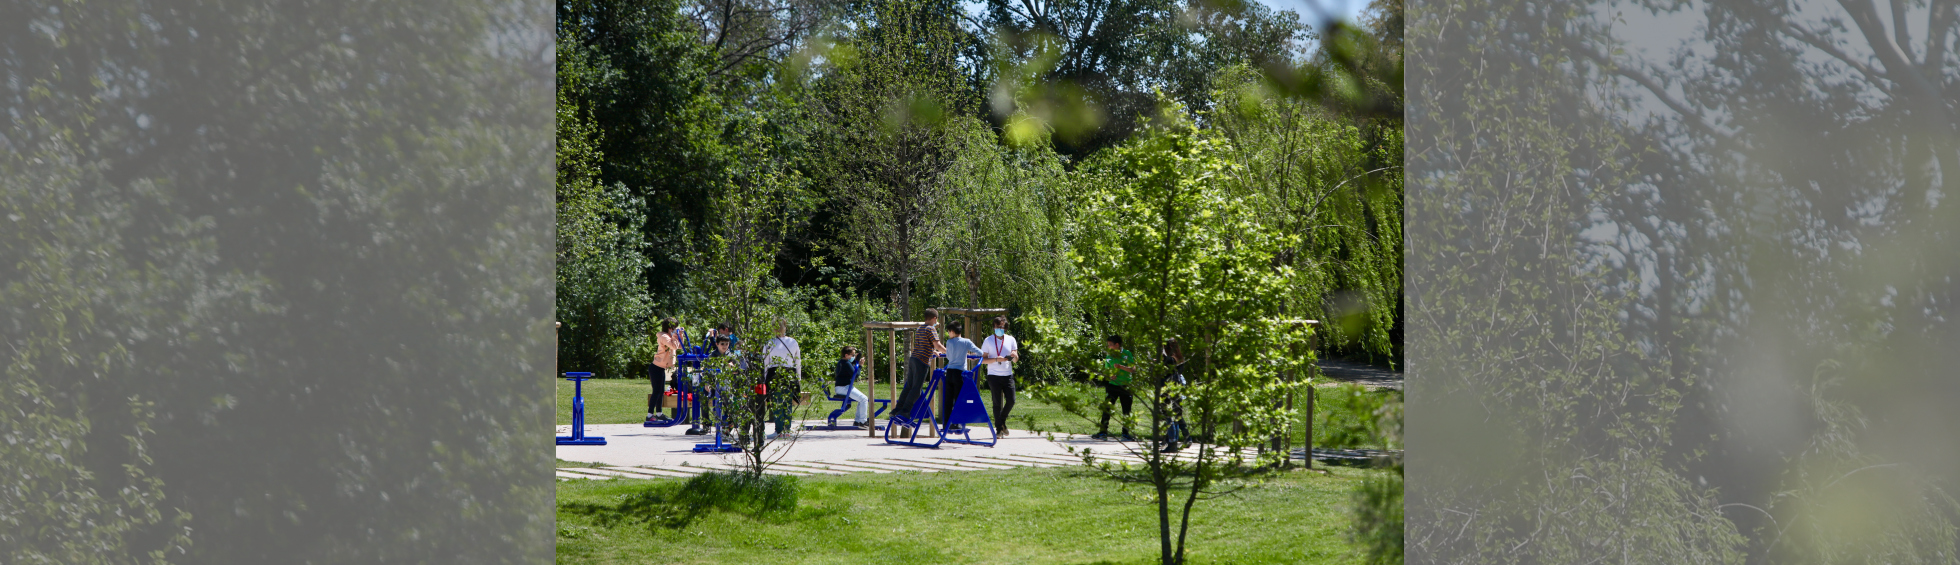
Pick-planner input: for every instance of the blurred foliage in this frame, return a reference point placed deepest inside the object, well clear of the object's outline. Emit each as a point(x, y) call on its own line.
point(273, 281)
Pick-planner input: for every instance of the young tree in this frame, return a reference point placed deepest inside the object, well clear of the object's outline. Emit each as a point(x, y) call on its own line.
point(1166, 251)
point(753, 214)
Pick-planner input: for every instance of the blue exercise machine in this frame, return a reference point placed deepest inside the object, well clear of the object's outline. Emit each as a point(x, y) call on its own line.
point(967, 409)
point(686, 406)
point(578, 436)
point(720, 421)
point(831, 422)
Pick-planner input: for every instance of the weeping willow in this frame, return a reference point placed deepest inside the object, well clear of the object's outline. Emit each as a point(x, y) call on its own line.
point(1337, 183)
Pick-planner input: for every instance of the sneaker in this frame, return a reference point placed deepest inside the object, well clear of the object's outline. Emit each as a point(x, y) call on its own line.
point(1170, 449)
point(861, 425)
point(1100, 436)
point(1129, 438)
point(695, 432)
point(1003, 432)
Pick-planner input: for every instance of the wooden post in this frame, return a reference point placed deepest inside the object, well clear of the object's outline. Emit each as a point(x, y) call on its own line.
point(869, 359)
point(891, 360)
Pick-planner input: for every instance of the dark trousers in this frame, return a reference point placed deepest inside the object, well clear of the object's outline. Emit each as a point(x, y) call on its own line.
point(1112, 394)
point(916, 374)
point(658, 376)
point(950, 393)
point(1002, 387)
point(783, 392)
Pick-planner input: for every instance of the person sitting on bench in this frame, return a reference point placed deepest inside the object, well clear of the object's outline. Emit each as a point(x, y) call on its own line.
point(845, 379)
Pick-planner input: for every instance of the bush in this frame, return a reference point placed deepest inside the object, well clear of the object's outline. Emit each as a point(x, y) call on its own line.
point(1350, 416)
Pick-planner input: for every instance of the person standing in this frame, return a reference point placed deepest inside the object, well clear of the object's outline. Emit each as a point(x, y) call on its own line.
point(781, 376)
point(999, 352)
point(844, 378)
point(957, 348)
point(666, 344)
point(918, 365)
point(1119, 368)
point(1173, 402)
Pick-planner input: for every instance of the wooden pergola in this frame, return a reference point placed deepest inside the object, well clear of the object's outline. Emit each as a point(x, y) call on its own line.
point(968, 314)
point(870, 363)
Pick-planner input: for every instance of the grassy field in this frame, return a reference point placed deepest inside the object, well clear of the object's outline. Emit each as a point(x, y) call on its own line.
point(623, 401)
point(1019, 516)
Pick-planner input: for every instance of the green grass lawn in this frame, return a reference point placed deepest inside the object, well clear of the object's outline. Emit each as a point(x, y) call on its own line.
point(624, 401)
point(1019, 516)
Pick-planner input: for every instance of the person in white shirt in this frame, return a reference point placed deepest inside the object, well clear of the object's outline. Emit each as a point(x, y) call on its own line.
point(999, 352)
point(782, 362)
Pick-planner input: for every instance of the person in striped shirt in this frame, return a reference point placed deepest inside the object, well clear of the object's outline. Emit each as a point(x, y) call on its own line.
point(918, 364)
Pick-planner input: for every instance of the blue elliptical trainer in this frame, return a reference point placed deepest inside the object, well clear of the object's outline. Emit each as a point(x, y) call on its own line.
point(578, 436)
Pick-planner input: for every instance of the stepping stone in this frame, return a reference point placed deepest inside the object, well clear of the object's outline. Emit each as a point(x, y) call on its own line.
point(1026, 462)
point(851, 466)
point(944, 466)
point(973, 462)
point(807, 467)
point(655, 472)
point(615, 473)
point(564, 475)
point(1057, 459)
point(899, 465)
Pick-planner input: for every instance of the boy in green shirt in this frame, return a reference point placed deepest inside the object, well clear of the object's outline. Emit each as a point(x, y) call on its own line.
point(1120, 368)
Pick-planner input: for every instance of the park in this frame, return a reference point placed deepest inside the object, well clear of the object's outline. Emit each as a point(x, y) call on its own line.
point(887, 281)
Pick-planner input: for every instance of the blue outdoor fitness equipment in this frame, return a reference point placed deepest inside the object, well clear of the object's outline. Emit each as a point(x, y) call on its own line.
point(881, 403)
point(684, 388)
point(720, 422)
point(967, 409)
point(578, 436)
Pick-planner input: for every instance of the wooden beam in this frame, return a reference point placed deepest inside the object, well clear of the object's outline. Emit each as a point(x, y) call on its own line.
point(892, 325)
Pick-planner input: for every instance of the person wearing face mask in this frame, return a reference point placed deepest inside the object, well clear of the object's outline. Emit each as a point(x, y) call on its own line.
point(999, 352)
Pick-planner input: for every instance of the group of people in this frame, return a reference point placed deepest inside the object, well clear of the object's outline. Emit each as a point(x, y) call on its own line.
point(997, 352)
point(783, 354)
point(782, 363)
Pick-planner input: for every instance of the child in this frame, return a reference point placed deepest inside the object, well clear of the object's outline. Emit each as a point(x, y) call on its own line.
point(1120, 366)
point(957, 347)
point(842, 378)
point(999, 352)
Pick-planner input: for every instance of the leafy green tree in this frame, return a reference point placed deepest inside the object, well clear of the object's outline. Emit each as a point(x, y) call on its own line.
point(1166, 252)
point(1337, 183)
point(900, 113)
point(278, 269)
point(601, 300)
point(1532, 396)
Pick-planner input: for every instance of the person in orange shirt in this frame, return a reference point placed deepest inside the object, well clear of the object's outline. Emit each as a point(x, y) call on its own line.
point(668, 342)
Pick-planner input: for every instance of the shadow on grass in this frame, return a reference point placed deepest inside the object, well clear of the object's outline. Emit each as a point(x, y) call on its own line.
point(769, 498)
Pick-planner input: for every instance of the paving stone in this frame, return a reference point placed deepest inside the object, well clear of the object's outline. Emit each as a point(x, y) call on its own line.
point(901, 465)
point(968, 462)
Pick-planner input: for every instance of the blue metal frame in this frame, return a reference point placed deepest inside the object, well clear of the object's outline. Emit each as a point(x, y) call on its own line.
point(688, 413)
point(578, 436)
point(920, 417)
point(880, 403)
point(969, 409)
point(720, 422)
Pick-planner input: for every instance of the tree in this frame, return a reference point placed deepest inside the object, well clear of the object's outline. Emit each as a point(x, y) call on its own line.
point(601, 300)
point(753, 215)
point(1166, 252)
point(278, 236)
point(901, 117)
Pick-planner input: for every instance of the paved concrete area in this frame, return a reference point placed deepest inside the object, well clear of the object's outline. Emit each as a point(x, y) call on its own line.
point(634, 451)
